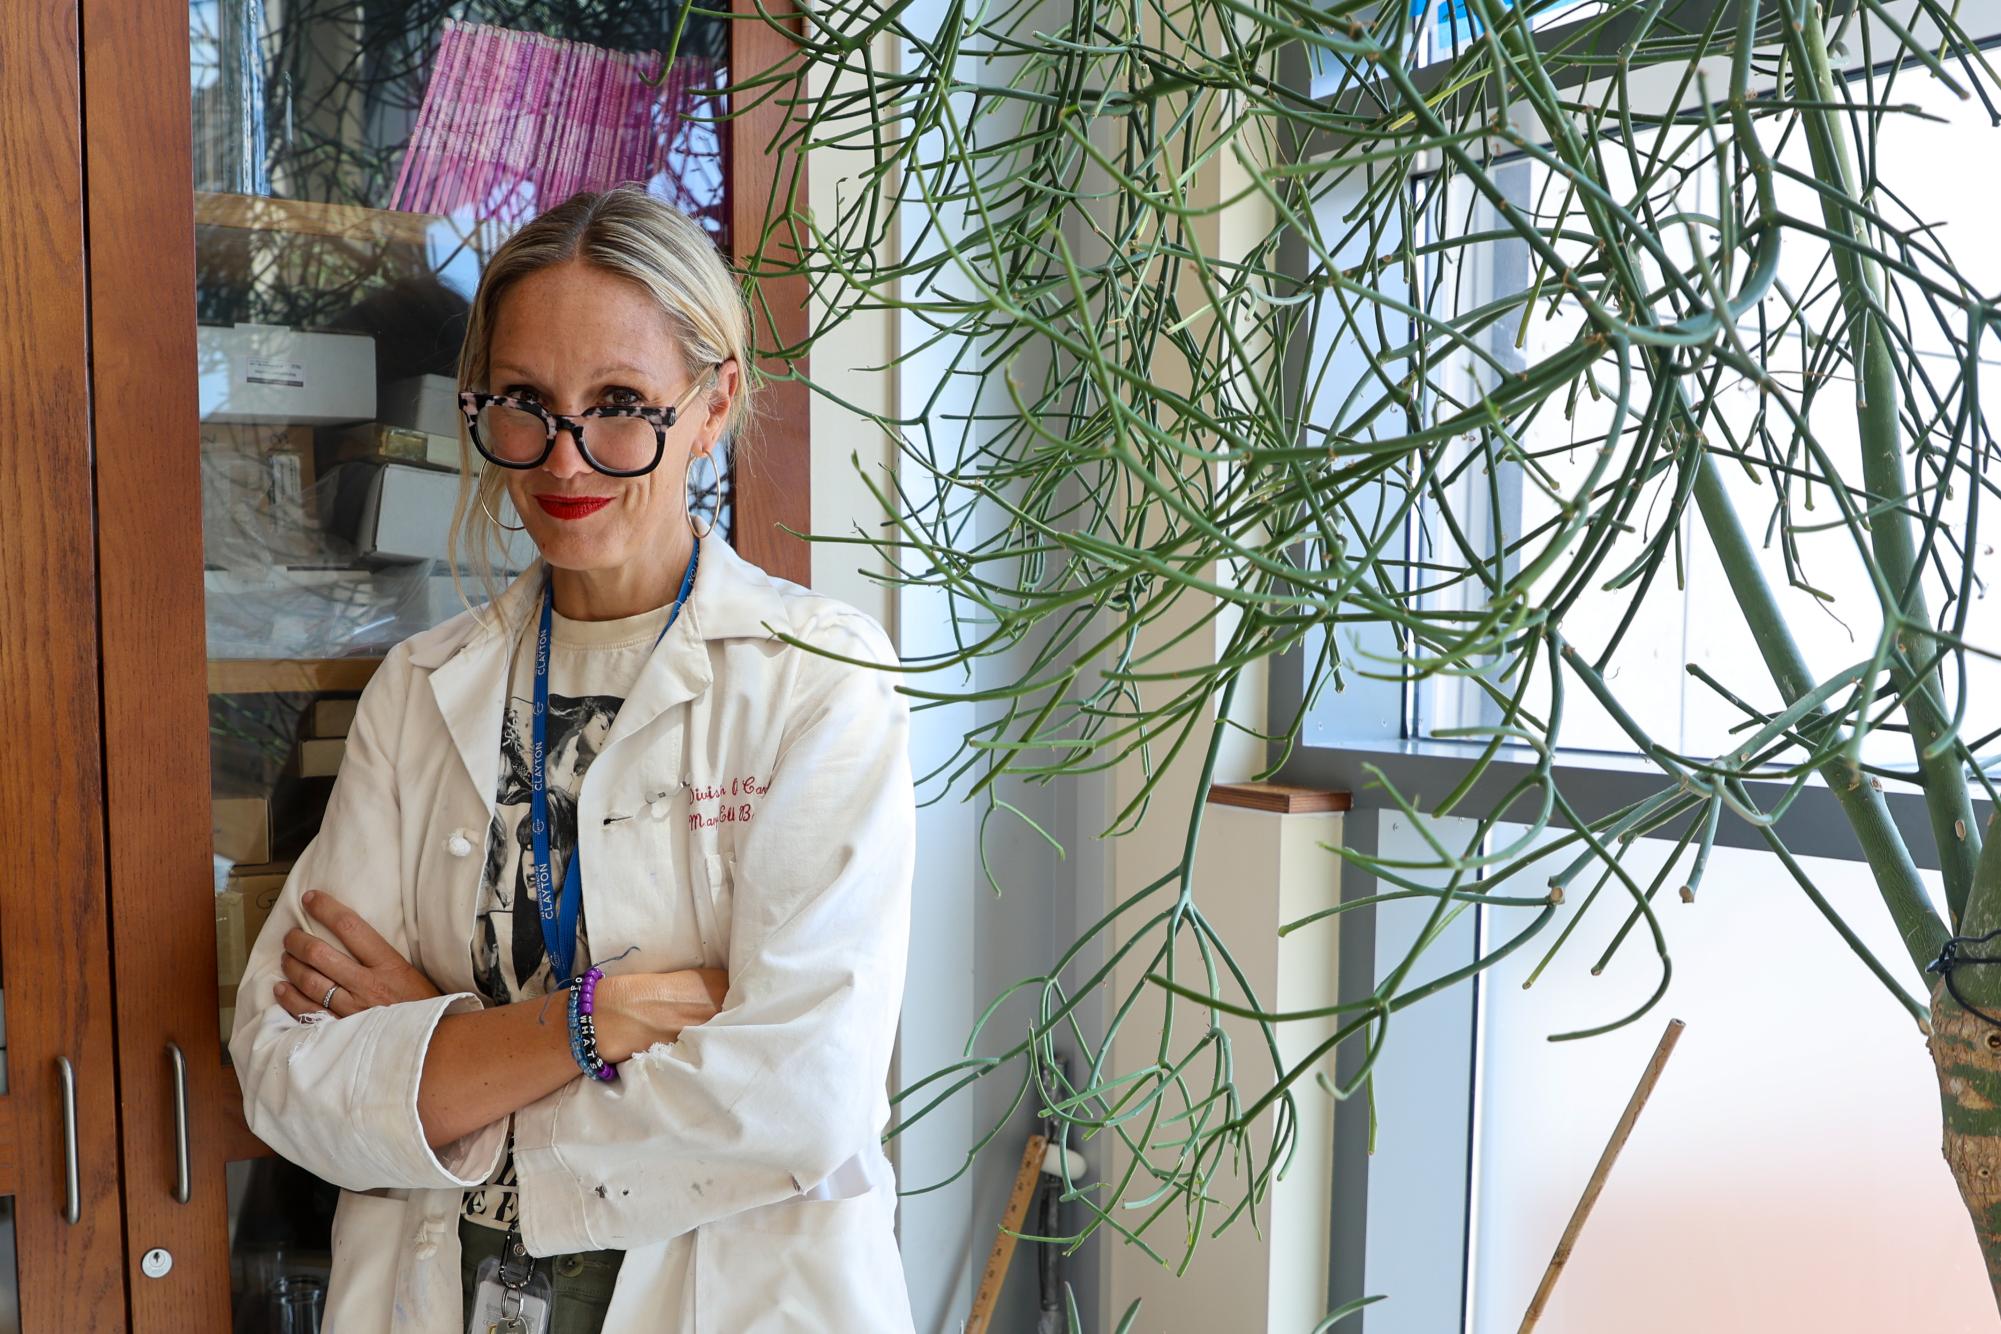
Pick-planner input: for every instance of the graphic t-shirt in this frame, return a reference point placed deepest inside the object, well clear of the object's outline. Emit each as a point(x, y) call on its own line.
point(592, 667)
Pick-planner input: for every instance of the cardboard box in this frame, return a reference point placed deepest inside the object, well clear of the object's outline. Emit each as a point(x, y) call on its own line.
point(258, 833)
point(331, 717)
point(394, 511)
point(295, 468)
point(428, 403)
point(242, 828)
point(258, 890)
point(319, 757)
point(266, 372)
point(380, 442)
point(256, 485)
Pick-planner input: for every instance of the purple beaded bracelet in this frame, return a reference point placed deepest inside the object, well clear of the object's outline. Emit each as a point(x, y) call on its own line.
point(583, 1028)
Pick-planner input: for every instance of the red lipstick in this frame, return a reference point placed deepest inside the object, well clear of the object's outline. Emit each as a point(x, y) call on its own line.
point(571, 507)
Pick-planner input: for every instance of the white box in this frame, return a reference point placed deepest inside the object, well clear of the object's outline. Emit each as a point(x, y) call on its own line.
point(428, 403)
point(400, 511)
point(266, 372)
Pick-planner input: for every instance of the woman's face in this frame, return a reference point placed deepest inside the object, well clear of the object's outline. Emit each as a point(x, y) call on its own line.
point(573, 337)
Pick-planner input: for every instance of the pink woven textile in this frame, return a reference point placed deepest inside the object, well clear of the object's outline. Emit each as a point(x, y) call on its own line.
point(516, 122)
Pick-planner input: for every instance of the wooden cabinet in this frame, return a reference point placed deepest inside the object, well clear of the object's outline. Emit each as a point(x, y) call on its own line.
point(185, 165)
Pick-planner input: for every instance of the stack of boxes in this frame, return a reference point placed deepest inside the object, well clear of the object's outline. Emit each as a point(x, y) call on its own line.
point(327, 502)
point(325, 512)
point(261, 837)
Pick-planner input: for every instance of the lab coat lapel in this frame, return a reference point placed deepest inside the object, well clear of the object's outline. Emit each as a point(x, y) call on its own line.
point(677, 671)
point(471, 685)
point(472, 694)
point(731, 598)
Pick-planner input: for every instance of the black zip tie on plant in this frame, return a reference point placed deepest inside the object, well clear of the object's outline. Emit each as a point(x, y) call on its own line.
point(1950, 958)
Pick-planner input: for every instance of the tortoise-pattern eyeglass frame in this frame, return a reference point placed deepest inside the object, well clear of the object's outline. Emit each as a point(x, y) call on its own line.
point(472, 401)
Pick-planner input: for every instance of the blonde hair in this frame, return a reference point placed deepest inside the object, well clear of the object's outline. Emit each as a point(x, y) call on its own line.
point(628, 233)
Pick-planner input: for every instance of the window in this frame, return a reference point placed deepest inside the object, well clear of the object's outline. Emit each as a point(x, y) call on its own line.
point(1794, 1091)
point(1687, 614)
point(1485, 1130)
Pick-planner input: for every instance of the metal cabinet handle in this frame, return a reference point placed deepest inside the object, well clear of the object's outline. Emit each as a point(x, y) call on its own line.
point(73, 1188)
point(183, 1177)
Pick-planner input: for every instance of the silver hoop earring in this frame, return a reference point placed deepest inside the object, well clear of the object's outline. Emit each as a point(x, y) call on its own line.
point(504, 527)
point(716, 471)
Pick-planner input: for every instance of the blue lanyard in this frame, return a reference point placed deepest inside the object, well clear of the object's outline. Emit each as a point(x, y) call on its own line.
point(559, 919)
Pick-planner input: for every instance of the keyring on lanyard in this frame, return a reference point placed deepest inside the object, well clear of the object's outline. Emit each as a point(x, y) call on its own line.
point(517, 1266)
point(559, 916)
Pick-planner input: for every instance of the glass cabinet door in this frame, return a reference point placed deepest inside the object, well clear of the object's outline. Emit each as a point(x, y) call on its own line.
point(354, 163)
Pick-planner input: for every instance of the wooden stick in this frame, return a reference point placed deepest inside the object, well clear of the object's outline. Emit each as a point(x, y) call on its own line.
point(1598, 1174)
point(1025, 1179)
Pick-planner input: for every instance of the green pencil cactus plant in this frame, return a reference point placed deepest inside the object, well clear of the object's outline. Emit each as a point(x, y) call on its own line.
point(1433, 341)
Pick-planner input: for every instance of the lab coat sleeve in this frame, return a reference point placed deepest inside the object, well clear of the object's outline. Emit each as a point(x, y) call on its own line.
point(339, 1097)
point(786, 1082)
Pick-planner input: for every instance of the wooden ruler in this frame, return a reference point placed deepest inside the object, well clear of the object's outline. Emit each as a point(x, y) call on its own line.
point(1025, 1179)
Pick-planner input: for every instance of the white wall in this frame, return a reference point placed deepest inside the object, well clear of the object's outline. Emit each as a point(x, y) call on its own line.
point(1255, 871)
point(967, 942)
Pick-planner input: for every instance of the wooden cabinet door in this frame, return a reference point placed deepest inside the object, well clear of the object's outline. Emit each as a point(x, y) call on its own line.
point(249, 163)
point(60, 1231)
point(150, 594)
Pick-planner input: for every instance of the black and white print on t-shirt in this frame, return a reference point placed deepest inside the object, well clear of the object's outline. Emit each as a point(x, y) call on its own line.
point(509, 959)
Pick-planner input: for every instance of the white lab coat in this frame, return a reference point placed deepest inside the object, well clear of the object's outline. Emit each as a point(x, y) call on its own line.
point(751, 809)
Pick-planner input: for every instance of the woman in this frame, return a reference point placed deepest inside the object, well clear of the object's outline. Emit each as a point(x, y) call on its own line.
point(727, 835)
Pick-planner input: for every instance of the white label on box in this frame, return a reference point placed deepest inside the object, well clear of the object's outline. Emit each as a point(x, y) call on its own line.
point(287, 484)
point(255, 373)
point(274, 370)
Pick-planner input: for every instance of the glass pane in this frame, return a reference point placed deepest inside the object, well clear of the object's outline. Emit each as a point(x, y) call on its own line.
point(281, 1240)
point(10, 1285)
point(355, 163)
point(1676, 623)
point(1799, 1089)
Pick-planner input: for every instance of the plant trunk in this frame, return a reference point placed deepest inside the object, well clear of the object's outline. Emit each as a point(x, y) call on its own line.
point(1966, 1049)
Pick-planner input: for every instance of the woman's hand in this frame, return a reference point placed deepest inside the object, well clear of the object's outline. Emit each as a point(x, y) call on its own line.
point(367, 970)
point(635, 1011)
point(463, 1087)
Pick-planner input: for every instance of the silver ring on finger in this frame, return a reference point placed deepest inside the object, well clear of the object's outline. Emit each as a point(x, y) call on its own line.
point(326, 1001)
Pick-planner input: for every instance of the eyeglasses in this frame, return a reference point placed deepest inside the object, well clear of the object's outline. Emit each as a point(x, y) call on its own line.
point(617, 441)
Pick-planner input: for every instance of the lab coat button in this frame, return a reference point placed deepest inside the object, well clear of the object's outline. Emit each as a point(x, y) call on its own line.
point(458, 844)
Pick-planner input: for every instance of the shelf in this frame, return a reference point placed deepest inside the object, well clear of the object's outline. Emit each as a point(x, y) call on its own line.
point(265, 213)
point(264, 676)
point(1279, 798)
